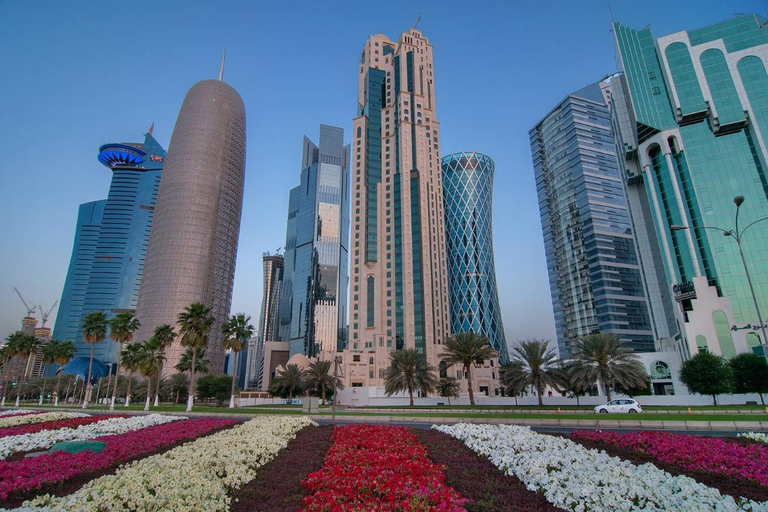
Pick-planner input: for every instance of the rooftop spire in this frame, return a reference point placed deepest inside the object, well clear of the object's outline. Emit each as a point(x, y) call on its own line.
point(151, 128)
point(221, 69)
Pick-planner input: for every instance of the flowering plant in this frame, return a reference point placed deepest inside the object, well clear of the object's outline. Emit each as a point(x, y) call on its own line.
point(14, 412)
point(372, 467)
point(52, 425)
point(24, 419)
point(755, 436)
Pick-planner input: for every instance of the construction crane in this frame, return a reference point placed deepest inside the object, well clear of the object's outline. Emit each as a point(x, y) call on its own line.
point(30, 310)
point(45, 315)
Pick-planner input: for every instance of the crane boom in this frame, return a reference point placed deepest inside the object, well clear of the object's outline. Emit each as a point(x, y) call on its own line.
point(45, 315)
point(30, 310)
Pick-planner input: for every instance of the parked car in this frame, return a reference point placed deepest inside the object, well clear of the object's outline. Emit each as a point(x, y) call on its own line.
point(622, 405)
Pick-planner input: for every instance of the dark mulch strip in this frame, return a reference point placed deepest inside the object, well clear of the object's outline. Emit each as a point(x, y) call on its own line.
point(277, 486)
point(726, 484)
point(475, 477)
point(15, 499)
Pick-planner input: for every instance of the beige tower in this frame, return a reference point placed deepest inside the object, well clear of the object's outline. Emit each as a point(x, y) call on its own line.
point(398, 283)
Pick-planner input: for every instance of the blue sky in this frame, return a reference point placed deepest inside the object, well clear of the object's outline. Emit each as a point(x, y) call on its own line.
point(78, 74)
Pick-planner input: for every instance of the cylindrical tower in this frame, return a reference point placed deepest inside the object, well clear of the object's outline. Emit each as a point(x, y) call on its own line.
point(193, 243)
point(468, 197)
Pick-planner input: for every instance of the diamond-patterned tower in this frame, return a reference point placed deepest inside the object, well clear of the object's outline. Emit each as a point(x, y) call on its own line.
point(474, 299)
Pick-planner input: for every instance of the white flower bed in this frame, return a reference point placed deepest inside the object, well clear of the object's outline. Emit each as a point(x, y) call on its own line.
point(47, 438)
point(28, 419)
point(755, 436)
point(195, 476)
point(575, 478)
point(11, 412)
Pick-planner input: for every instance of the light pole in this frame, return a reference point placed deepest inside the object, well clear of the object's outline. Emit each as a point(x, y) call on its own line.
point(737, 235)
point(336, 363)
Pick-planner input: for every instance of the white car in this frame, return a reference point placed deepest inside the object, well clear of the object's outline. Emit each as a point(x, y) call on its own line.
point(621, 405)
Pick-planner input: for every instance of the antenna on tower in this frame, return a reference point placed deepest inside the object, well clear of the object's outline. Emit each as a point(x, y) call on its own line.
point(151, 128)
point(417, 22)
point(221, 69)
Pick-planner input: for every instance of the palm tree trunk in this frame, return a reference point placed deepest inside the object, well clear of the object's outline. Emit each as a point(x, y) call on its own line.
point(234, 376)
point(607, 391)
point(114, 390)
point(157, 385)
point(24, 370)
point(410, 392)
point(468, 367)
point(149, 392)
point(58, 385)
point(322, 392)
point(539, 391)
point(191, 398)
point(714, 399)
point(6, 371)
point(178, 392)
point(88, 384)
point(45, 381)
point(128, 393)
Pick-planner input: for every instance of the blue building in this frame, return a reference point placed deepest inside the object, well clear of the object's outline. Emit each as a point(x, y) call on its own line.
point(473, 296)
point(594, 273)
point(111, 243)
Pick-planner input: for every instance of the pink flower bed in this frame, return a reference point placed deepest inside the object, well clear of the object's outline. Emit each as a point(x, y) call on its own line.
point(34, 472)
point(691, 452)
point(55, 425)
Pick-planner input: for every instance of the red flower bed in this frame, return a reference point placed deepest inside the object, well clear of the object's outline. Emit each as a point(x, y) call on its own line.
point(379, 468)
point(691, 452)
point(55, 425)
point(36, 472)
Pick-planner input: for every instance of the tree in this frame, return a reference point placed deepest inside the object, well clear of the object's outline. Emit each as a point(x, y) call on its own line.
point(319, 378)
point(195, 323)
point(570, 381)
point(237, 331)
point(706, 374)
point(750, 374)
point(121, 329)
point(151, 360)
point(537, 367)
point(466, 348)
point(448, 387)
point(513, 377)
point(28, 345)
point(289, 381)
point(164, 335)
point(49, 356)
point(605, 357)
point(11, 349)
point(633, 391)
point(65, 351)
point(409, 371)
point(214, 386)
point(130, 360)
point(185, 361)
point(94, 327)
point(179, 385)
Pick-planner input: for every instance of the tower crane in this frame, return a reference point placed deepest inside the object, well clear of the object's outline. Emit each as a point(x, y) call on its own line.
point(30, 310)
point(45, 315)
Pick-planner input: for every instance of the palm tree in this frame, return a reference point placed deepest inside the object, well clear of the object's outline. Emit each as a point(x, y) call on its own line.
point(130, 359)
point(319, 377)
point(466, 348)
point(571, 382)
point(50, 350)
point(605, 357)
point(185, 361)
point(512, 377)
point(65, 351)
point(448, 387)
point(538, 366)
point(290, 379)
point(195, 323)
point(237, 331)
point(165, 335)
point(409, 371)
point(28, 345)
point(151, 360)
point(121, 329)
point(94, 331)
point(11, 349)
point(179, 382)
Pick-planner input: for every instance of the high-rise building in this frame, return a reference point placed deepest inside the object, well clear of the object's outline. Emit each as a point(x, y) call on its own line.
point(474, 298)
point(313, 308)
point(691, 114)
point(111, 243)
point(399, 283)
point(594, 274)
point(269, 319)
point(193, 243)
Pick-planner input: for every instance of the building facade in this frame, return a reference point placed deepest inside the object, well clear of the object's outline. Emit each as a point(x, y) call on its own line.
point(194, 238)
point(313, 308)
point(111, 242)
point(594, 273)
point(474, 298)
point(399, 285)
point(691, 114)
point(269, 319)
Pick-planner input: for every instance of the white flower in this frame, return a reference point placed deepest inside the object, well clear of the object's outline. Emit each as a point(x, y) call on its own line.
point(755, 436)
point(28, 419)
point(11, 412)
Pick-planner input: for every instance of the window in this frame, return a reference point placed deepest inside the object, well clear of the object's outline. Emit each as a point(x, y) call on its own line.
point(656, 91)
point(356, 358)
point(370, 360)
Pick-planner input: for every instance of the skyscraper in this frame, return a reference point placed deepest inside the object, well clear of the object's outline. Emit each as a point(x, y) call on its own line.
point(474, 298)
point(692, 121)
point(111, 242)
point(594, 274)
point(399, 283)
point(193, 244)
point(269, 319)
point(313, 308)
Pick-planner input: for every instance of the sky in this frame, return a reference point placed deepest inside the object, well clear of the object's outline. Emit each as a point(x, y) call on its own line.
point(79, 74)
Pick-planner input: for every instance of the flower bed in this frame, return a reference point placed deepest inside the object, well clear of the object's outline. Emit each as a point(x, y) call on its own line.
point(477, 479)
point(371, 467)
point(690, 452)
point(53, 425)
point(573, 477)
point(755, 436)
point(194, 476)
point(277, 486)
point(41, 471)
point(110, 425)
point(25, 419)
point(14, 412)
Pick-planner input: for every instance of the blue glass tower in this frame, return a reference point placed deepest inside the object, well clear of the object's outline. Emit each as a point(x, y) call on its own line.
point(111, 242)
point(473, 296)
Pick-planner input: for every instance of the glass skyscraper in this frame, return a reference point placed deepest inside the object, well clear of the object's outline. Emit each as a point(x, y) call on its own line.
point(269, 319)
point(691, 111)
point(110, 245)
point(313, 304)
point(468, 196)
point(594, 273)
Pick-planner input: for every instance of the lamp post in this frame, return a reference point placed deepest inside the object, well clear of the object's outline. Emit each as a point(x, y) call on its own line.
point(737, 235)
point(336, 363)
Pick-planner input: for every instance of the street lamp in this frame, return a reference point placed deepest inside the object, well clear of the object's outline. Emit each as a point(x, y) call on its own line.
point(737, 235)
